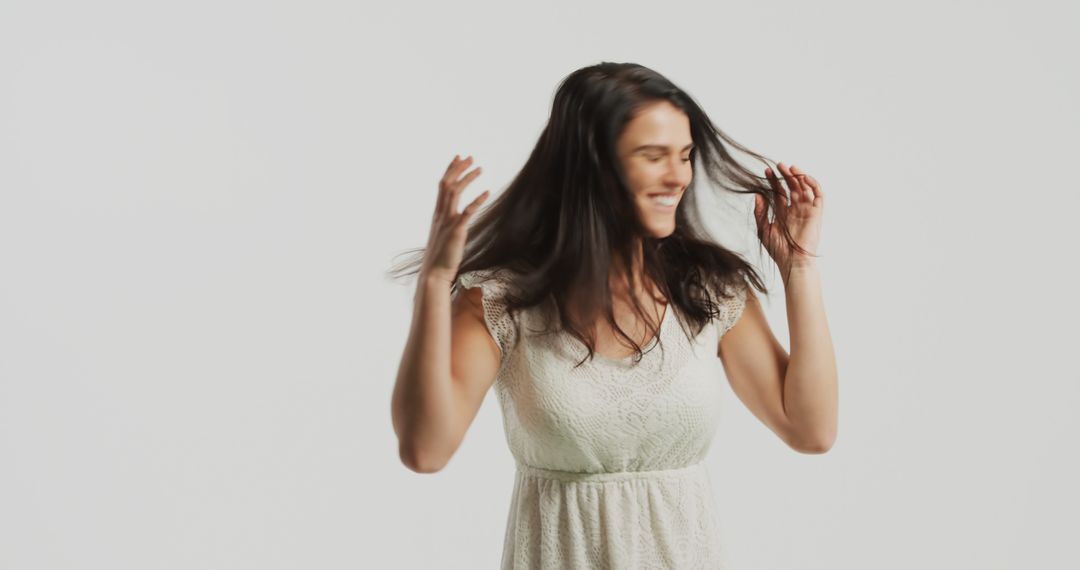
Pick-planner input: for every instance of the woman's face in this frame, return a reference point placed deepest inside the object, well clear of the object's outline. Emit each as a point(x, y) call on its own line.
point(654, 149)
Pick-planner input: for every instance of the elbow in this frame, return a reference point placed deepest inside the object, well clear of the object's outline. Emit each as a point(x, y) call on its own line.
point(419, 461)
point(814, 445)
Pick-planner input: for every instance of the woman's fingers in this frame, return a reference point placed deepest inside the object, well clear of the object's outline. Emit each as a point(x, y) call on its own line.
point(459, 187)
point(456, 167)
point(451, 185)
point(781, 203)
point(795, 189)
point(813, 183)
point(471, 208)
point(444, 184)
point(807, 190)
point(760, 212)
point(815, 197)
point(447, 184)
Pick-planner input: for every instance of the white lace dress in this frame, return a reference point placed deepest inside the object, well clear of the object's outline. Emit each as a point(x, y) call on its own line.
point(610, 470)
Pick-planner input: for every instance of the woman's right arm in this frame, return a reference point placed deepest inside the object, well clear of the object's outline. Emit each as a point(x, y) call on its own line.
point(449, 364)
point(441, 384)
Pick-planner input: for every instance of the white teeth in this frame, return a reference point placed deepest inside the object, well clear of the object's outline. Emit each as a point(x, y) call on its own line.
point(665, 200)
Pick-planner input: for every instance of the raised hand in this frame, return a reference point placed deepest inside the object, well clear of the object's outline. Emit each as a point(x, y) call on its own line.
point(803, 217)
point(449, 228)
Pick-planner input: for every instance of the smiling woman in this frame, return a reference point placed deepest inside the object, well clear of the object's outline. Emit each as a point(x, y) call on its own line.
point(657, 171)
point(596, 242)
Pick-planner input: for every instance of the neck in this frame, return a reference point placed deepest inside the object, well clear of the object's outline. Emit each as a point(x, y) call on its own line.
point(619, 279)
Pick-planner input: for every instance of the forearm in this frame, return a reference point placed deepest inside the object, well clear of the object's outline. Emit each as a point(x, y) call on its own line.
point(810, 382)
point(422, 406)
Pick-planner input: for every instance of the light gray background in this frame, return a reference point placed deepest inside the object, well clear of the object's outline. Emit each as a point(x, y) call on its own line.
point(198, 203)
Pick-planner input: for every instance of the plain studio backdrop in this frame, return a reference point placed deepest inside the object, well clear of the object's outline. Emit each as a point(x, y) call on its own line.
point(199, 203)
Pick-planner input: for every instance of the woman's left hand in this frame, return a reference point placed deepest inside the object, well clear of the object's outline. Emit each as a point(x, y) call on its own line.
point(803, 217)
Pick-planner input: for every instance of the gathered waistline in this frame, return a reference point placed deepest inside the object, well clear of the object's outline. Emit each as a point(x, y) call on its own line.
point(609, 476)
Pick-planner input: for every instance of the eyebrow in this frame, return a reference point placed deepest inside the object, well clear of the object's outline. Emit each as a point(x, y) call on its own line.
point(659, 147)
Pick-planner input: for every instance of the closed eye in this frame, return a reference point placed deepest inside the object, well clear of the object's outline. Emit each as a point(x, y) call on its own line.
point(657, 158)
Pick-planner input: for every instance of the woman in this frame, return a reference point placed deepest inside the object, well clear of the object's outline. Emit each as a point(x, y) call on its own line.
point(592, 252)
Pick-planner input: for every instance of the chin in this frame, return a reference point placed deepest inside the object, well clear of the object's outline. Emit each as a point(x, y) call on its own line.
point(662, 230)
point(657, 224)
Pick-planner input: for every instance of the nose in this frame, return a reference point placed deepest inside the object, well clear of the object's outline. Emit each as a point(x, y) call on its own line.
point(678, 173)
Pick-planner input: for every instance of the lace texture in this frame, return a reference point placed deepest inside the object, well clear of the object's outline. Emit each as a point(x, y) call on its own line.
point(610, 455)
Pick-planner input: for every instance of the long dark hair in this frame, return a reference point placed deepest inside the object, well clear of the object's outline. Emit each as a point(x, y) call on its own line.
point(568, 213)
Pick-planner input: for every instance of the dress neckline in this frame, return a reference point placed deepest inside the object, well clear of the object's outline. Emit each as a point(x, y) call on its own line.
point(629, 360)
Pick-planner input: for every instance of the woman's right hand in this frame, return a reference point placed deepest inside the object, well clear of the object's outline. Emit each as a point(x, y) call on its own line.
point(449, 228)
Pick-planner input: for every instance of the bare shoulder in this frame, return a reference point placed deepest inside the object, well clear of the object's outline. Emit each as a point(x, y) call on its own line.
point(490, 316)
point(470, 301)
point(474, 353)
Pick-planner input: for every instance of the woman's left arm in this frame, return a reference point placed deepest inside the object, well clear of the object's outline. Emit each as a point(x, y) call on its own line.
point(796, 395)
point(810, 381)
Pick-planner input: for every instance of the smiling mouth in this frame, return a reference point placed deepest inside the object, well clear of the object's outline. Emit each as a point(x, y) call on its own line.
point(664, 200)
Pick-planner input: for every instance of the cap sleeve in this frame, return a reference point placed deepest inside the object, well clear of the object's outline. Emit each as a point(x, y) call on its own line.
point(495, 286)
point(731, 308)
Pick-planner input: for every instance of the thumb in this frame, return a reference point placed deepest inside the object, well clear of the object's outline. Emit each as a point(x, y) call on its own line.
point(759, 210)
